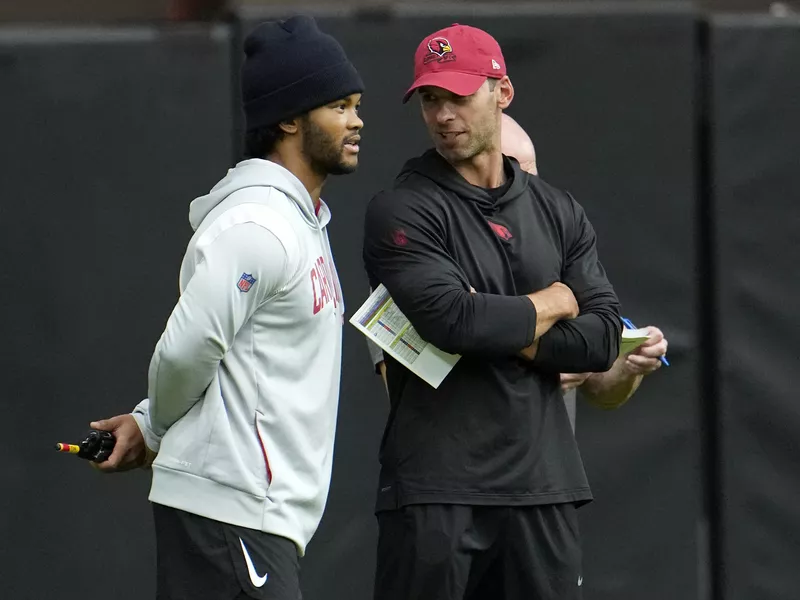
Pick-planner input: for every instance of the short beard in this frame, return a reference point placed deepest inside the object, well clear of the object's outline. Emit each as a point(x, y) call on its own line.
point(482, 139)
point(479, 143)
point(323, 152)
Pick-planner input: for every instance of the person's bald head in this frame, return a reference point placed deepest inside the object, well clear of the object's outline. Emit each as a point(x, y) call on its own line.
point(514, 141)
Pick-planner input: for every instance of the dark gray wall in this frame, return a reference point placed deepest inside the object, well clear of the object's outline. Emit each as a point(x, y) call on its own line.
point(756, 87)
point(106, 137)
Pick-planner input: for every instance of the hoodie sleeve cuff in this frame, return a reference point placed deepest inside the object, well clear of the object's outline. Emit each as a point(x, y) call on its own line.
point(142, 416)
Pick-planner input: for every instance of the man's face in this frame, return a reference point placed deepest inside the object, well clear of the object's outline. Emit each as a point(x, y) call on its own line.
point(461, 127)
point(331, 136)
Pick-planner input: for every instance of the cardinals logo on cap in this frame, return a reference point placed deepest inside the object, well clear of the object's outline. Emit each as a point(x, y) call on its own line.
point(440, 46)
point(439, 49)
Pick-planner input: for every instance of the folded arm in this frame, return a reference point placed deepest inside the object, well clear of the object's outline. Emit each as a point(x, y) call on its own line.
point(589, 342)
point(405, 249)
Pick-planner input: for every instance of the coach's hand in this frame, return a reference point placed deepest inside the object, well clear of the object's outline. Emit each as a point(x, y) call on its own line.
point(130, 451)
point(566, 299)
point(571, 381)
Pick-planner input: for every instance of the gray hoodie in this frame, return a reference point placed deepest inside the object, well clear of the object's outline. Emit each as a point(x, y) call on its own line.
point(244, 382)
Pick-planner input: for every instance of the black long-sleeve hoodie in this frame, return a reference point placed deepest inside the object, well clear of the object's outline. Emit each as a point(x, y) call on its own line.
point(496, 431)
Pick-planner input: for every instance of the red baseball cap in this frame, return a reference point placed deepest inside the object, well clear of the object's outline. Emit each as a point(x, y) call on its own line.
point(458, 58)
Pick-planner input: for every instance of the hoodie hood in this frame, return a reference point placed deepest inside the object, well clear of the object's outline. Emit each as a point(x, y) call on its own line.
point(256, 172)
point(434, 167)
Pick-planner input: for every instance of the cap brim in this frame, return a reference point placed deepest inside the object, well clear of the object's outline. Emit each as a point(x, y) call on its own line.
point(461, 84)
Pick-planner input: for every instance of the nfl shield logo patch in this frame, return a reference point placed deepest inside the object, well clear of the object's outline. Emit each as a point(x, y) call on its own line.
point(246, 281)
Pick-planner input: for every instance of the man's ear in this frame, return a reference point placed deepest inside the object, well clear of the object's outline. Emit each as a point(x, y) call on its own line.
point(505, 93)
point(290, 127)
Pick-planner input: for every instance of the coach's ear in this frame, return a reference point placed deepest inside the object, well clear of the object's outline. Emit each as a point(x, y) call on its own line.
point(504, 91)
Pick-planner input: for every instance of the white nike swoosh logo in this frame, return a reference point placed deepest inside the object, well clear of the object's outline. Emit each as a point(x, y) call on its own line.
point(251, 570)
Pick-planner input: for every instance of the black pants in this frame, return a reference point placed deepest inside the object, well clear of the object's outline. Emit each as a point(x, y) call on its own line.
point(456, 552)
point(202, 559)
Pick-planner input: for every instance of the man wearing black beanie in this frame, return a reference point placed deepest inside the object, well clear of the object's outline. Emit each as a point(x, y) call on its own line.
point(291, 69)
point(243, 386)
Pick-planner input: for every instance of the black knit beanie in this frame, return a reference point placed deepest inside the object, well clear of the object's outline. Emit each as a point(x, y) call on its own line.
point(292, 67)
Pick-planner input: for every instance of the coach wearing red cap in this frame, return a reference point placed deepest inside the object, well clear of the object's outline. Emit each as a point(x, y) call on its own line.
point(480, 478)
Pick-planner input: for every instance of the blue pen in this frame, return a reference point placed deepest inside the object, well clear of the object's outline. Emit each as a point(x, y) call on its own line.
point(629, 324)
